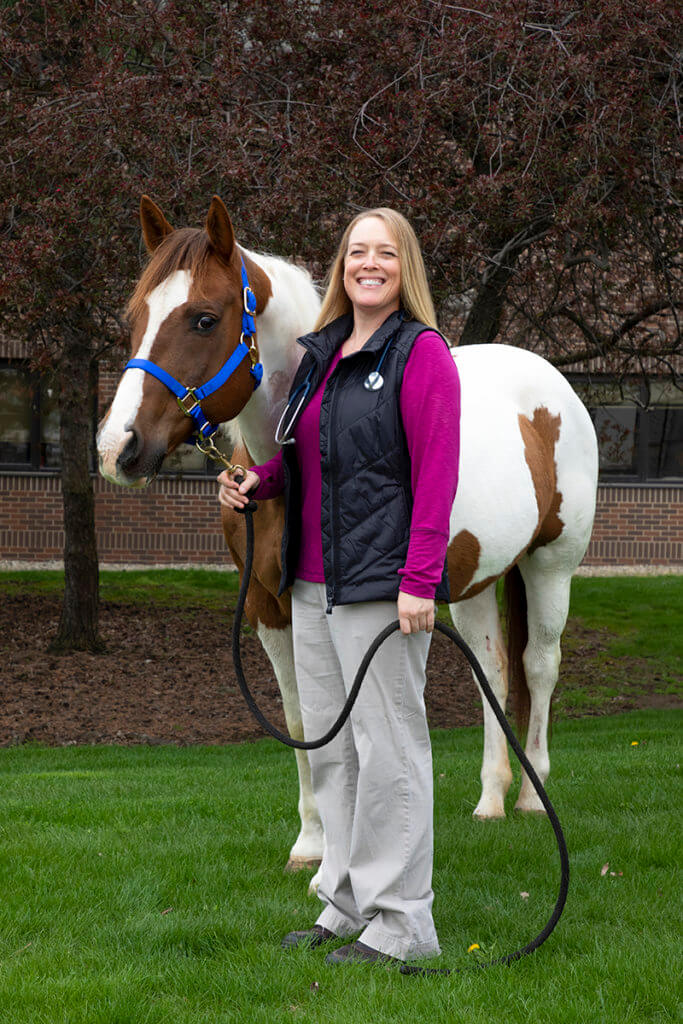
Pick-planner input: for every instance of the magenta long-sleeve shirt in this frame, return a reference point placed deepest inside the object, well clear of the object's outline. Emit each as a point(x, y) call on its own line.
point(430, 410)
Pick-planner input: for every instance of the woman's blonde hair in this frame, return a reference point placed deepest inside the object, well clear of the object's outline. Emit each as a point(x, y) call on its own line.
point(416, 298)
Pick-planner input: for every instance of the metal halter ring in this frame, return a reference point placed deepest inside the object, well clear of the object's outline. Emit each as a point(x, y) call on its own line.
point(253, 351)
point(247, 293)
point(208, 448)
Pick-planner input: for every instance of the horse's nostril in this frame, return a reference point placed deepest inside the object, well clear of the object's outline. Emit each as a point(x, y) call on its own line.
point(131, 452)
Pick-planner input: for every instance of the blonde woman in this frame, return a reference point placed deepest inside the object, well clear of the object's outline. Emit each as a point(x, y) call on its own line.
point(369, 485)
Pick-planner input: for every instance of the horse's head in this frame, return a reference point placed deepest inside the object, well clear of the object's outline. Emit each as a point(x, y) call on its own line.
point(185, 318)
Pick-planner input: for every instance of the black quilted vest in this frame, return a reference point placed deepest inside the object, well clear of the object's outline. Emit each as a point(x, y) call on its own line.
point(366, 488)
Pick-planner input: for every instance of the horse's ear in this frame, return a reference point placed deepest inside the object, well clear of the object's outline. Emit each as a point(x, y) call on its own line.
point(219, 229)
point(155, 227)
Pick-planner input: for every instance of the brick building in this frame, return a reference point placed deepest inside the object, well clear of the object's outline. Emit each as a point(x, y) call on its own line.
point(176, 520)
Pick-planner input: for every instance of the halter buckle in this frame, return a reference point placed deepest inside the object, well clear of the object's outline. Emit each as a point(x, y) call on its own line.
point(188, 410)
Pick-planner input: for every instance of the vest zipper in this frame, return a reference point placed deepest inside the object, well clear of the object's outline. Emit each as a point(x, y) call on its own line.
point(330, 462)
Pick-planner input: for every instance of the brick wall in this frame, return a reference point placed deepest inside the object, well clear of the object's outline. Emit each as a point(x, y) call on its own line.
point(172, 521)
point(178, 521)
point(637, 526)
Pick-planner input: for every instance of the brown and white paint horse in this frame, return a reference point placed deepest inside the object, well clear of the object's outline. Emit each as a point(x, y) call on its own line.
point(526, 496)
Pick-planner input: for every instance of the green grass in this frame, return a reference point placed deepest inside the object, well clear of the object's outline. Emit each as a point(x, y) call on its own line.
point(167, 587)
point(646, 613)
point(623, 644)
point(145, 885)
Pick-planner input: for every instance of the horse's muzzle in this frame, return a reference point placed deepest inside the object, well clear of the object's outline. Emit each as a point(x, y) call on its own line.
point(138, 461)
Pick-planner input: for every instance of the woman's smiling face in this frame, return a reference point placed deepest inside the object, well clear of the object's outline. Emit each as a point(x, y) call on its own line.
point(372, 267)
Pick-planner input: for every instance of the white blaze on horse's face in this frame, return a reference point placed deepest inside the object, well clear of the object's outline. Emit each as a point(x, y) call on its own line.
point(117, 429)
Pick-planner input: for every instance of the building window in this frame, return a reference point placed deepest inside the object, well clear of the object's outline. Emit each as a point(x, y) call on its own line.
point(640, 444)
point(665, 443)
point(617, 431)
point(636, 444)
point(29, 420)
point(29, 428)
point(186, 460)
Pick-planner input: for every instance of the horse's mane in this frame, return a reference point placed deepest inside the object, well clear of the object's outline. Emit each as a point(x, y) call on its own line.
point(189, 249)
point(184, 249)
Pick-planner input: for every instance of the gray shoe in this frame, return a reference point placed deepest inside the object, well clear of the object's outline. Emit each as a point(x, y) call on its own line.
point(310, 938)
point(358, 953)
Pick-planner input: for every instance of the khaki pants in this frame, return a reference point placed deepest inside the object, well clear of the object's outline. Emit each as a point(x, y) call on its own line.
point(373, 783)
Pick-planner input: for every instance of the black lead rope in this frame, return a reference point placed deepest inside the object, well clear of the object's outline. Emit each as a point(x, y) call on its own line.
point(346, 711)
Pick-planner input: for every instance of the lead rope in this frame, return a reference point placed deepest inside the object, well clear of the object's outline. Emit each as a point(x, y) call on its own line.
point(453, 635)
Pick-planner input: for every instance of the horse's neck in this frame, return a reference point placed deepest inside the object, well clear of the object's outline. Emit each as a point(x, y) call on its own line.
point(291, 312)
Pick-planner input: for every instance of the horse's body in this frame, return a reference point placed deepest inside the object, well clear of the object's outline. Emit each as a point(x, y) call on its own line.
point(526, 494)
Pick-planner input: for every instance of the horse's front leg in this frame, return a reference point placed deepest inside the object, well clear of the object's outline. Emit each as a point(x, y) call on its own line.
point(308, 848)
point(271, 618)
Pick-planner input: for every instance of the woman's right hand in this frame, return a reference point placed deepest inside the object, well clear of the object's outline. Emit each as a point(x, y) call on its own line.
point(234, 495)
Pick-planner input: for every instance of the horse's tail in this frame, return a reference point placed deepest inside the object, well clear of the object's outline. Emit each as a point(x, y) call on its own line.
point(517, 639)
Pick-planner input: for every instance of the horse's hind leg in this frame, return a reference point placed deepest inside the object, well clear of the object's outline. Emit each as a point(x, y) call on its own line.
point(478, 622)
point(547, 594)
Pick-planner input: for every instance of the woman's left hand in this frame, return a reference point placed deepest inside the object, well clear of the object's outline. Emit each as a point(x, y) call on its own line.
point(415, 613)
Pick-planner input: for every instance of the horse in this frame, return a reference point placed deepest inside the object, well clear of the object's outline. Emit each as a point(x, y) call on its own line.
point(524, 506)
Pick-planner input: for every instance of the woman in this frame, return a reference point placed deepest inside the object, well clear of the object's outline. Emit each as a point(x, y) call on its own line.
point(369, 487)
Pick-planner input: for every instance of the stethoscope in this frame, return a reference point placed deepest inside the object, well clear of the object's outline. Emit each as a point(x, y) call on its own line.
point(283, 432)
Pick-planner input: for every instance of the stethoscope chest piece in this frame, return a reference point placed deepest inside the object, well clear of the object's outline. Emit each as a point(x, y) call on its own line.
point(374, 381)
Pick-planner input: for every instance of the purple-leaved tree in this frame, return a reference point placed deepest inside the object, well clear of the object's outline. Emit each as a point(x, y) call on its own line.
point(532, 146)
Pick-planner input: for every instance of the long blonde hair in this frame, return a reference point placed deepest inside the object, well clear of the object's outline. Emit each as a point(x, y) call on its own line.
point(416, 298)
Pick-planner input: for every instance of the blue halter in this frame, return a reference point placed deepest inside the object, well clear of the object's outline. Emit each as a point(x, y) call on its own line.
point(203, 427)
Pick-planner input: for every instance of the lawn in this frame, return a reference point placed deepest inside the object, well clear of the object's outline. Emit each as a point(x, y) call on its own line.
point(210, 588)
point(146, 885)
point(623, 645)
point(645, 614)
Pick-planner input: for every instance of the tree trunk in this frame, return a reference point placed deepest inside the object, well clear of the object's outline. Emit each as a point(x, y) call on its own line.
point(78, 626)
point(483, 320)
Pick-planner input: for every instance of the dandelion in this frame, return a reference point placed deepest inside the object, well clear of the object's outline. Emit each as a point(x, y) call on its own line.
point(475, 945)
point(634, 743)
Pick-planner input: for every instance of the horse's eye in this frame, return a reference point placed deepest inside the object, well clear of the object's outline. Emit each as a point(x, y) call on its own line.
point(205, 322)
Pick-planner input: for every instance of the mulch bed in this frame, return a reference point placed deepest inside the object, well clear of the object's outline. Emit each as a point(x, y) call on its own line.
point(167, 677)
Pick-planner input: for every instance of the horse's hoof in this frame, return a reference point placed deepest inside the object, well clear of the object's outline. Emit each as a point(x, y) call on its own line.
point(302, 864)
point(540, 811)
point(489, 810)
